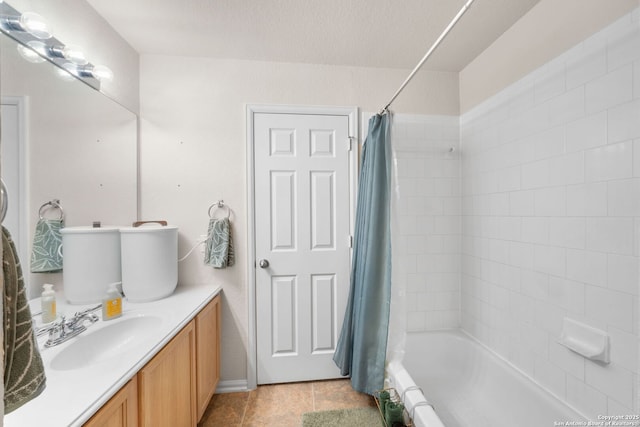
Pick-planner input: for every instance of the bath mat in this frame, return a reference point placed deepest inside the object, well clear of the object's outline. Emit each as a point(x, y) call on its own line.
point(355, 417)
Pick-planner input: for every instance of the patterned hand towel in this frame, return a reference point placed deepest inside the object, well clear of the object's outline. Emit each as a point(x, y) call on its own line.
point(24, 376)
point(45, 256)
point(219, 249)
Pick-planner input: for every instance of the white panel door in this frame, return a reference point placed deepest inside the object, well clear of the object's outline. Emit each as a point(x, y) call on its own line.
point(302, 218)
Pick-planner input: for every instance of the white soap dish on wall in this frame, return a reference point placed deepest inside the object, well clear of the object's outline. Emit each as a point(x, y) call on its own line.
point(585, 340)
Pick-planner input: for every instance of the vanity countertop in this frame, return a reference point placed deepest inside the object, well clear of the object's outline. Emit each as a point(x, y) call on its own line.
point(74, 393)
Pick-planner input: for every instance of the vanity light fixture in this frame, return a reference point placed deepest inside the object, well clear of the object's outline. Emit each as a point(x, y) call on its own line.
point(99, 72)
point(29, 22)
point(32, 33)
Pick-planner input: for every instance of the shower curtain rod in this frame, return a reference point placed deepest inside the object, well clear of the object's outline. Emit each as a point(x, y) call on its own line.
point(428, 54)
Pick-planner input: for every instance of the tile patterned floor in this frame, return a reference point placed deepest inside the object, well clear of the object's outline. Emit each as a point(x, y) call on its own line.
point(281, 405)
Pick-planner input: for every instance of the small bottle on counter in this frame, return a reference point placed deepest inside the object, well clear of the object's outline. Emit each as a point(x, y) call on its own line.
point(48, 301)
point(112, 303)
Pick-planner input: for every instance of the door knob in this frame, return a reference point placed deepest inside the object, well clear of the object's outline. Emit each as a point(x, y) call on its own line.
point(263, 263)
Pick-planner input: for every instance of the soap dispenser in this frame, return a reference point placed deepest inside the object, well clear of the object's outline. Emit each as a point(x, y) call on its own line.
point(48, 301)
point(112, 303)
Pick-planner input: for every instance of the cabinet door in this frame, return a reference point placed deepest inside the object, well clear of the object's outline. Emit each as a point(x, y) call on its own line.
point(167, 384)
point(120, 411)
point(208, 353)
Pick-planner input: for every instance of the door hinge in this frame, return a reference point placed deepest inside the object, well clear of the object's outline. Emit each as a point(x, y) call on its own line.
point(350, 143)
point(350, 241)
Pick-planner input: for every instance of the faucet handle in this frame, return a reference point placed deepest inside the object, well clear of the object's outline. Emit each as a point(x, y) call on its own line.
point(57, 329)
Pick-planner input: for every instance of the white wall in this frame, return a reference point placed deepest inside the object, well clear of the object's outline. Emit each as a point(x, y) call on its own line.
point(551, 218)
point(193, 149)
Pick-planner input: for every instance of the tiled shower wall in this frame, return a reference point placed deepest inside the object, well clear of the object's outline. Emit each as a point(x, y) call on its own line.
point(551, 218)
point(427, 250)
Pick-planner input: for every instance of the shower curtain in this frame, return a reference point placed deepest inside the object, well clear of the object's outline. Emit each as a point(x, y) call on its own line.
point(361, 349)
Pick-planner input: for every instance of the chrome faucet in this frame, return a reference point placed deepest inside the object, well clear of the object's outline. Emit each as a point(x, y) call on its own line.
point(63, 330)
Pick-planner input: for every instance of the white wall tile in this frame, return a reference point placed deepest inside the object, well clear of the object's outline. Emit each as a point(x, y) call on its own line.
point(624, 348)
point(610, 307)
point(535, 230)
point(536, 174)
point(587, 200)
point(585, 63)
point(613, 380)
point(610, 90)
point(623, 273)
point(567, 169)
point(588, 132)
point(551, 225)
point(590, 400)
point(549, 143)
point(550, 201)
point(636, 158)
point(568, 294)
point(534, 284)
point(562, 109)
point(611, 162)
point(618, 200)
point(614, 235)
point(623, 123)
point(569, 232)
point(624, 47)
point(521, 203)
point(549, 317)
point(587, 266)
point(521, 255)
point(636, 79)
point(550, 83)
point(550, 259)
point(570, 362)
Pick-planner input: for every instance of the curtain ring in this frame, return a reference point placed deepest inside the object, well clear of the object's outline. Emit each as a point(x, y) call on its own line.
point(52, 204)
point(219, 205)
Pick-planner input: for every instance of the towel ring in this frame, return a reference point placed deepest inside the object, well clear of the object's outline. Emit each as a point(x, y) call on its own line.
point(219, 205)
point(5, 200)
point(51, 204)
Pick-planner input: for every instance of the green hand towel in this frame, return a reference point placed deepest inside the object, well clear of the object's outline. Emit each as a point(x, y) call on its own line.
point(219, 251)
point(45, 256)
point(24, 376)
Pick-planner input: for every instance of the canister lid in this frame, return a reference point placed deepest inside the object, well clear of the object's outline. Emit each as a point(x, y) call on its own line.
point(149, 228)
point(87, 229)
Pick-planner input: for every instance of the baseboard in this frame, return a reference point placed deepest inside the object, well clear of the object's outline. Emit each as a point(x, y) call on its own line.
point(232, 386)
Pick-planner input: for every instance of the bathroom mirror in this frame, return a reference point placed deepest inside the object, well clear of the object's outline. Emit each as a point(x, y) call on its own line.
point(62, 140)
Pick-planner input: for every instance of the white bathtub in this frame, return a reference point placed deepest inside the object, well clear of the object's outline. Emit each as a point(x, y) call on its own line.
point(469, 386)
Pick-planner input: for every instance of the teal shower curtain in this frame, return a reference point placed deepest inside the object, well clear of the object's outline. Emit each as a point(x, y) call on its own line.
point(362, 346)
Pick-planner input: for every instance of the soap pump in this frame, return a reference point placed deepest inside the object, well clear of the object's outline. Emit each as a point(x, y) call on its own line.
point(112, 302)
point(48, 302)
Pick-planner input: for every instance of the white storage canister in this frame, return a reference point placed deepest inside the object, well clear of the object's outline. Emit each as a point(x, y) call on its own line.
point(149, 261)
point(91, 261)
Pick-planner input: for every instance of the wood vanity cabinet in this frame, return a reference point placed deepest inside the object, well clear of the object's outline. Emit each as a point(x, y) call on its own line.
point(120, 411)
point(207, 353)
point(174, 388)
point(167, 384)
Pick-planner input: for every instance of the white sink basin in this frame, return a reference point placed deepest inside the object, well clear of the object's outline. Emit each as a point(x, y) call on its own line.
point(107, 342)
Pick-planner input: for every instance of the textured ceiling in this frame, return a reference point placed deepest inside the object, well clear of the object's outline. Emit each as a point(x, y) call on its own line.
point(367, 33)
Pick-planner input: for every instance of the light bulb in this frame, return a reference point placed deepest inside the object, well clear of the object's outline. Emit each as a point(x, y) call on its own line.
point(68, 72)
point(102, 73)
point(74, 54)
point(29, 54)
point(35, 25)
